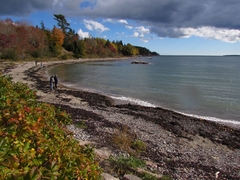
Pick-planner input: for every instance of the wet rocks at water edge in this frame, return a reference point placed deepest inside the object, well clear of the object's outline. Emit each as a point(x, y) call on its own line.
point(139, 62)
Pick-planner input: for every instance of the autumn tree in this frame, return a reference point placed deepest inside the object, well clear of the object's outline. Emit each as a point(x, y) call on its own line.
point(128, 50)
point(56, 41)
point(22, 44)
point(57, 36)
point(91, 45)
point(119, 45)
point(112, 47)
point(7, 27)
point(20, 40)
point(101, 50)
point(4, 41)
point(82, 48)
point(37, 41)
point(7, 34)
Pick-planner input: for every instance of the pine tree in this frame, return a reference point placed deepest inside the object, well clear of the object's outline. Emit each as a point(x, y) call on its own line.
point(42, 26)
point(62, 23)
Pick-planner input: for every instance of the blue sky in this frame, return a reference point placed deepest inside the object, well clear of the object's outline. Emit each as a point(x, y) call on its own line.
point(169, 27)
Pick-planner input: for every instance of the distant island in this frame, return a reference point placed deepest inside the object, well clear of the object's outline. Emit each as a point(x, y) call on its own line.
point(232, 55)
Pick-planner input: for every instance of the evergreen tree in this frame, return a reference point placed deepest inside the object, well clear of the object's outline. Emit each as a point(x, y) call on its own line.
point(62, 23)
point(42, 26)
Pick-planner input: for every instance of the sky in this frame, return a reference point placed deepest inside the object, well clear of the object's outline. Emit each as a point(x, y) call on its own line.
point(168, 27)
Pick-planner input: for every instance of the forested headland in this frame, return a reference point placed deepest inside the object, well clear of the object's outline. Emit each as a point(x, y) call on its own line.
point(21, 41)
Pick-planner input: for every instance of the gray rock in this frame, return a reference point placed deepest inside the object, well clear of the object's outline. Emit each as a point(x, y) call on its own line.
point(139, 62)
point(130, 177)
point(106, 176)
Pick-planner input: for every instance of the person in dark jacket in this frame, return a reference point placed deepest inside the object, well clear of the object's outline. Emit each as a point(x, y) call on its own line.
point(55, 81)
point(51, 83)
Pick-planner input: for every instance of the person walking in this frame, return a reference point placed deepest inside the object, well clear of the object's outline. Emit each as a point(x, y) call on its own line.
point(51, 82)
point(55, 81)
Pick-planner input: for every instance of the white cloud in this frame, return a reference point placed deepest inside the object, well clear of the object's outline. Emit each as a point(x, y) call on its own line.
point(121, 21)
point(129, 27)
point(145, 40)
point(141, 32)
point(135, 34)
point(108, 20)
point(83, 35)
point(219, 34)
point(225, 35)
point(93, 25)
point(207, 32)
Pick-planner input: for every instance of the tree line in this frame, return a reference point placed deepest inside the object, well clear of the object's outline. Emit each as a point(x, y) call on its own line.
point(21, 40)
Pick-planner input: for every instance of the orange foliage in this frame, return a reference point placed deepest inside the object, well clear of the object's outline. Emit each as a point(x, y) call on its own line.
point(57, 36)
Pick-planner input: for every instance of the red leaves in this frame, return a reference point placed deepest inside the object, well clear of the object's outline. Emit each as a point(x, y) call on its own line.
point(27, 109)
point(7, 41)
point(20, 37)
point(34, 136)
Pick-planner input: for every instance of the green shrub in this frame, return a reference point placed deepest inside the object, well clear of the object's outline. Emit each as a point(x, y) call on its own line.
point(66, 56)
point(10, 54)
point(139, 146)
point(122, 165)
point(37, 53)
point(81, 125)
point(146, 176)
point(34, 143)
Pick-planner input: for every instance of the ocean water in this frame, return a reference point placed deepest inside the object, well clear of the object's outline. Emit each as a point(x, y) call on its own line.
point(203, 86)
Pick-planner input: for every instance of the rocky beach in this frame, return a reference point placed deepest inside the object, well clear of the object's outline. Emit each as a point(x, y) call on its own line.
point(180, 146)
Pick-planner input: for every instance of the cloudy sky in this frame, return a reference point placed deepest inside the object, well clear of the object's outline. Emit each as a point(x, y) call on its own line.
point(169, 27)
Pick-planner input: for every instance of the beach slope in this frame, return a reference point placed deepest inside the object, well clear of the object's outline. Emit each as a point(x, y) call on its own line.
point(177, 145)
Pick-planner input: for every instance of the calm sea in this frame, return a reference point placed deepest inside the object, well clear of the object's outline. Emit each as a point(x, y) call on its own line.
point(202, 86)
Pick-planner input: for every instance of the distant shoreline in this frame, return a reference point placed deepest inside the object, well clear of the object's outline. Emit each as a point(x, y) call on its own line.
point(228, 122)
point(231, 55)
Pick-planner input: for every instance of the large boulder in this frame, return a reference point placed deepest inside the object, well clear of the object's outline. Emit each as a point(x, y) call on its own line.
point(139, 62)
